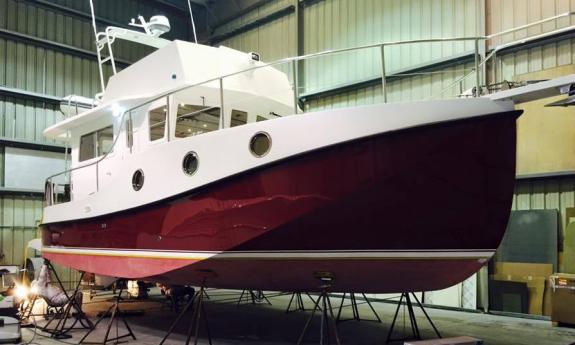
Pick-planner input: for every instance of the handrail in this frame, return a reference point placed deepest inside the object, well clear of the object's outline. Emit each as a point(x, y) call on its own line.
point(296, 59)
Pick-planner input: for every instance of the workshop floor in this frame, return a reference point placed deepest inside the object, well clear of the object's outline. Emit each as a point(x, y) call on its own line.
point(269, 324)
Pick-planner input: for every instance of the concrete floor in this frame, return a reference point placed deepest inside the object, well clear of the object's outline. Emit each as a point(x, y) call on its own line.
point(265, 324)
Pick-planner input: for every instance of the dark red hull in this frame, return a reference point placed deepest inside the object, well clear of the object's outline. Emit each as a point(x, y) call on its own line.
point(443, 188)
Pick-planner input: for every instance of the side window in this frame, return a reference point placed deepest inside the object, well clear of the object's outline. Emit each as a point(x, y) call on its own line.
point(87, 146)
point(196, 119)
point(105, 140)
point(239, 118)
point(158, 123)
point(96, 144)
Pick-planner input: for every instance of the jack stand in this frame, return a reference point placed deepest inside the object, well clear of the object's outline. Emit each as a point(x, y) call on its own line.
point(113, 311)
point(255, 296)
point(61, 331)
point(327, 316)
point(354, 308)
point(412, 319)
point(299, 306)
point(197, 305)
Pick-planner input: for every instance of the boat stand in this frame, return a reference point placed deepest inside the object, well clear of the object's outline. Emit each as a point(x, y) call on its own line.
point(328, 322)
point(114, 312)
point(253, 297)
point(61, 330)
point(197, 305)
point(298, 305)
point(355, 309)
point(413, 321)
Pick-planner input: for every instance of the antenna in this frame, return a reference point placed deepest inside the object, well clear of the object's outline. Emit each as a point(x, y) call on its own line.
point(193, 24)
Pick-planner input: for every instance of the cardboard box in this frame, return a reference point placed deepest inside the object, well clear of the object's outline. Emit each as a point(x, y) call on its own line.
point(563, 298)
point(536, 276)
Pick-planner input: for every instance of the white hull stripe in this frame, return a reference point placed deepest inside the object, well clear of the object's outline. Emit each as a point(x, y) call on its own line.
point(343, 254)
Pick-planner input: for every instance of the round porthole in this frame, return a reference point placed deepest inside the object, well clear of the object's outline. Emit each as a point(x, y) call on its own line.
point(190, 163)
point(138, 180)
point(260, 144)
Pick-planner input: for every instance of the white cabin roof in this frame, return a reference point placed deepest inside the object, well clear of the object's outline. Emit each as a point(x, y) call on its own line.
point(175, 66)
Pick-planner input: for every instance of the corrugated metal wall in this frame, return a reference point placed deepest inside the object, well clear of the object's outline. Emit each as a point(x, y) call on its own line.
point(44, 69)
point(549, 193)
point(274, 40)
point(347, 23)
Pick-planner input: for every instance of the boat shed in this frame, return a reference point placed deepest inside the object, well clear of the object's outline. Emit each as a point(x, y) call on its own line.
point(287, 172)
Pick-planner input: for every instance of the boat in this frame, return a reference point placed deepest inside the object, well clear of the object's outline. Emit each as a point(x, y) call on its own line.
point(198, 166)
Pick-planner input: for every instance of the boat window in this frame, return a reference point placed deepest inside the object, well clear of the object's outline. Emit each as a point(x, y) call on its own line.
point(239, 118)
point(97, 143)
point(260, 144)
point(196, 119)
point(105, 140)
point(87, 146)
point(260, 118)
point(158, 123)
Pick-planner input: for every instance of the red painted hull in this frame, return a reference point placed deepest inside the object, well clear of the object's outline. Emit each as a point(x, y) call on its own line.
point(438, 188)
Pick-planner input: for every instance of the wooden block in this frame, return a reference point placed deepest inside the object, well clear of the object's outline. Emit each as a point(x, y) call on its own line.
point(465, 340)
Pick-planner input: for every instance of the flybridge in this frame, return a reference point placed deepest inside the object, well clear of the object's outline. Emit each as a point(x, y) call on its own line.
point(157, 26)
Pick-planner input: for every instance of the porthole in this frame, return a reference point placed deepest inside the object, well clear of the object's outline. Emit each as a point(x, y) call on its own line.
point(190, 163)
point(138, 180)
point(260, 144)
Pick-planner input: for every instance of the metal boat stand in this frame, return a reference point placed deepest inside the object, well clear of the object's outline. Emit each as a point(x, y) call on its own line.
point(298, 305)
point(253, 297)
point(198, 309)
point(413, 321)
point(60, 331)
point(114, 312)
point(328, 322)
point(355, 309)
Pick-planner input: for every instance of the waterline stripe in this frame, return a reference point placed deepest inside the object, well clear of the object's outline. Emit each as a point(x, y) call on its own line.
point(203, 255)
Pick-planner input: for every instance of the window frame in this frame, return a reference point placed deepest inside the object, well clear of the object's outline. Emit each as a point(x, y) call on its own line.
point(95, 144)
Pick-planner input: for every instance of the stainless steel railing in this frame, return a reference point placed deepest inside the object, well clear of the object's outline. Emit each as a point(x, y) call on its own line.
point(294, 61)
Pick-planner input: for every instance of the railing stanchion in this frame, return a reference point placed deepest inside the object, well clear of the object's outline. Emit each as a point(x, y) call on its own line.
point(168, 119)
point(97, 177)
point(221, 125)
point(295, 86)
point(477, 75)
point(383, 89)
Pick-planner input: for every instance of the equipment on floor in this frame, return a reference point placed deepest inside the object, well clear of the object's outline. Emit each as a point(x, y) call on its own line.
point(563, 299)
point(11, 291)
point(253, 297)
point(297, 301)
point(64, 304)
point(412, 320)
point(9, 330)
point(355, 309)
point(113, 312)
point(448, 341)
point(199, 311)
point(328, 330)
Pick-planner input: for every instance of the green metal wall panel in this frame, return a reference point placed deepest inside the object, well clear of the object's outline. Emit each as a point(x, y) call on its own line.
point(274, 40)
point(507, 14)
point(347, 23)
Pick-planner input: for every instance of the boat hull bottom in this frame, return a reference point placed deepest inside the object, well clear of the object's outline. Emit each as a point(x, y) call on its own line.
point(370, 276)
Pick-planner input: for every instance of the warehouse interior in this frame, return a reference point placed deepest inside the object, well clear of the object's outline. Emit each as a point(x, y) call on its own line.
point(460, 49)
